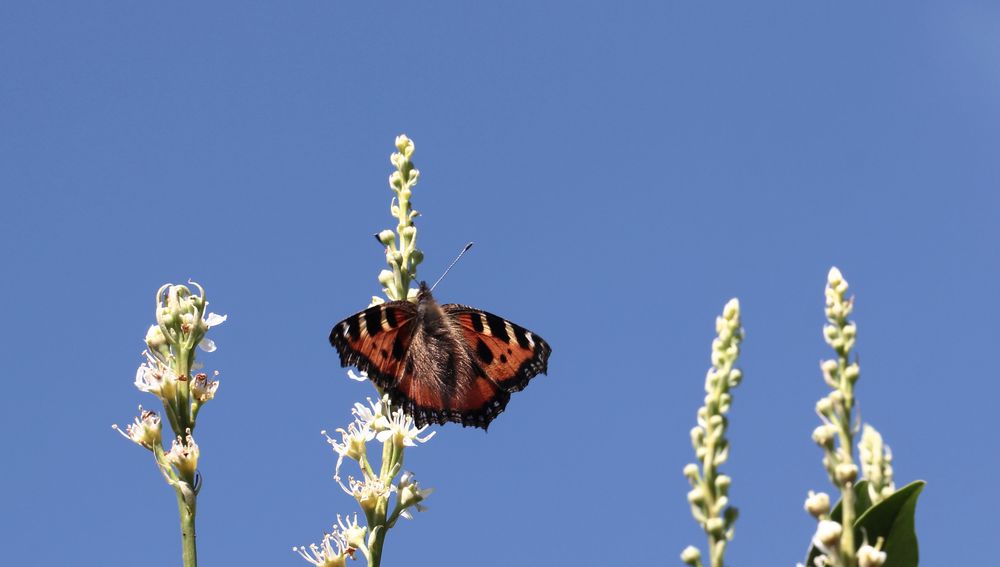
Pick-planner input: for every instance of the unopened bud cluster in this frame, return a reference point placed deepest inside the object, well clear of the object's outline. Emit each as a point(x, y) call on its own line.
point(835, 435)
point(876, 462)
point(401, 252)
point(709, 494)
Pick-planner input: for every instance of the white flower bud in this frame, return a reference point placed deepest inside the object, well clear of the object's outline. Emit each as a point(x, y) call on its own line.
point(868, 556)
point(827, 534)
point(696, 496)
point(396, 180)
point(846, 472)
point(732, 309)
point(735, 377)
point(155, 338)
point(697, 437)
point(852, 372)
point(404, 145)
point(828, 366)
point(824, 435)
point(385, 277)
point(831, 333)
point(691, 472)
point(691, 555)
point(405, 479)
point(818, 504)
point(834, 277)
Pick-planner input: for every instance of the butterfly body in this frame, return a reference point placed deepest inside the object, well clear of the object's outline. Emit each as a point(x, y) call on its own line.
point(438, 362)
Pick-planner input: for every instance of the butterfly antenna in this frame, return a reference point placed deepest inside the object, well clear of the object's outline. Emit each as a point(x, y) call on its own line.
point(457, 258)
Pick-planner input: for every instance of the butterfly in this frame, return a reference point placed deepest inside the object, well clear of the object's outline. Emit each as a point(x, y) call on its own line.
point(441, 363)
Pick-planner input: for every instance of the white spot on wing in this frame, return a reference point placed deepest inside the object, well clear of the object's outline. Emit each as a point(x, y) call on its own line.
point(511, 338)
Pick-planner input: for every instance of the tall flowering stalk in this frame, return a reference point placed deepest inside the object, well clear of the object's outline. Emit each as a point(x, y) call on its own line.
point(834, 537)
point(181, 327)
point(404, 257)
point(709, 488)
point(383, 490)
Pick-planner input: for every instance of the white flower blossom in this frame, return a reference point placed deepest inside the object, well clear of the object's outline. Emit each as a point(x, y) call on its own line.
point(204, 389)
point(411, 495)
point(368, 416)
point(357, 376)
point(353, 534)
point(155, 377)
point(144, 430)
point(183, 454)
point(400, 428)
point(368, 491)
point(352, 445)
point(214, 319)
point(333, 551)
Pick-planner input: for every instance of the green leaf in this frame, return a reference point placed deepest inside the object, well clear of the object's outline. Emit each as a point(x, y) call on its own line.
point(892, 519)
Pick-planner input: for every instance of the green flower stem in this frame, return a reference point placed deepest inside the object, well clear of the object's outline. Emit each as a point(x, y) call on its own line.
point(189, 551)
point(375, 549)
point(186, 506)
point(183, 371)
point(847, 496)
point(168, 408)
point(379, 520)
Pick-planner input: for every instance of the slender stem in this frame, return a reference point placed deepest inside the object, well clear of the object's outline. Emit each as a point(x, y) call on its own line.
point(183, 371)
point(189, 551)
point(848, 505)
point(847, 521)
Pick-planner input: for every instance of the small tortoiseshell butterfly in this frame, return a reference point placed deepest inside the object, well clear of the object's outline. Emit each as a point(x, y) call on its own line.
point(441, 363)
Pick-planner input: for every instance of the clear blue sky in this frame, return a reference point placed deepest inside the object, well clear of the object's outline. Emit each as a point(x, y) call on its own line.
point(624, 170)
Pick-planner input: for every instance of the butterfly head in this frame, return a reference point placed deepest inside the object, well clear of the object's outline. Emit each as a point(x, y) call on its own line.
point(424, 298)
point(424, 288)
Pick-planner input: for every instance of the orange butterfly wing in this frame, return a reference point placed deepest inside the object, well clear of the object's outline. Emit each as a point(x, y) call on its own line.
point(508, 354)
point(376, 340)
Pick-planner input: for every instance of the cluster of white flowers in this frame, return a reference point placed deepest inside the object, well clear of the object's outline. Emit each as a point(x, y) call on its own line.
point(166, 372)
point(374, 421)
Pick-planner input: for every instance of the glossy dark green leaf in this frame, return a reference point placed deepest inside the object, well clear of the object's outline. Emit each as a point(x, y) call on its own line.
point(894, 520)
